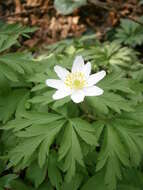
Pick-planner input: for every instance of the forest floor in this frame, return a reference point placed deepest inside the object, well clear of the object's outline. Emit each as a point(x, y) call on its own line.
point(53, 26)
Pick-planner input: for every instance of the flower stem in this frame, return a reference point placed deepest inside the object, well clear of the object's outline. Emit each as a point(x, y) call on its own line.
point(85, 109)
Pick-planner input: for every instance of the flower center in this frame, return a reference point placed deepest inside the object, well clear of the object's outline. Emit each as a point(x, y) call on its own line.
point(75, 80)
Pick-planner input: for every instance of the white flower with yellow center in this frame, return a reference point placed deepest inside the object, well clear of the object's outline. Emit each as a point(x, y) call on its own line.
point(77, 84)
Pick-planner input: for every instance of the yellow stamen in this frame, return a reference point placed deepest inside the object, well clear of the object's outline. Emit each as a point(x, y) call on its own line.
point(75, 80)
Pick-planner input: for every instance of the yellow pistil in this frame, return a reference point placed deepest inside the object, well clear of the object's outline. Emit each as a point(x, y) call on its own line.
point(75, 80)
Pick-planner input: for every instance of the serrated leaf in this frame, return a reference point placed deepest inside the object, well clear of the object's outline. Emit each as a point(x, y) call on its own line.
point(45, 99)
point(9, 34)
point(131, 135)
point(85, 131)
point(112, 154)
point(34, 137)
point(8, 73)
point(95, 181)
point(136, 115)
point(109, 100)
point(130, 32)
point(9, 103)
point(53, 171)
point(70, 150)
point(36, 174)
point(74, 184)
point(122, 145)
point(116, 81)
point(31, 118)
point(132, 180)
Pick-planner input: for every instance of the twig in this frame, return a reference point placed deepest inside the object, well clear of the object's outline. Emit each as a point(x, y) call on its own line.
point(113, 7)
point(133, 19)
point(103, 5)
point(26, 12)
point(18, 6)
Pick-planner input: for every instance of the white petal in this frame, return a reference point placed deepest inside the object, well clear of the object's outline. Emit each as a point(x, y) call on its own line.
point(93, 91)
point(61, 72)
point(87, 69)
point(58, 84)
point(59, 94)
point(93, 79)
point(78, 64)
point(78, 96)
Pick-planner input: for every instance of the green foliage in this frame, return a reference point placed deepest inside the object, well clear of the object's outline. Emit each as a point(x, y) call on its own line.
point(53, 171)
point(18, 184)
point(70, 147)
point(12, 98)
point(95, 181)
point(15, 66)
point(132, 181)
point(42, 138)
point(141, 2)
point(9, 34)
point(116, 152)
point(6, 180)
point(62, 145)
point(36, 174)
point(110, 55)
point(130, 33)
point(67, 7)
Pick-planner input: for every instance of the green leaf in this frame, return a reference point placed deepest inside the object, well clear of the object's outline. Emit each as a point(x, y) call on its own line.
point(136, 115)
point(20, 185)
point(141, 2)
point(70, 149)
point(95, 181)
point(131, 135)
point(53, 171)
point(115, 81)
point(67, 7)
point(44, 99)
point(6, 180)
point(37, 137)
point(8, 73)
point(31, 118)
point(132, 180)
point(130, 32)
point(112, 154)
point(16, 66)
point(19, 62)
point(36, 174)
point(122, 146)
point(61, 102)
point(109, 100)
point(85, 131)
point(74, 184)
point(110, 56)
point(9, 103)
point(46, 186)
point(9, 34)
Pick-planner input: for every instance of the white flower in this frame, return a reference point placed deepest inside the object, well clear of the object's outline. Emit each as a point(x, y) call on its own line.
point(78, 83)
